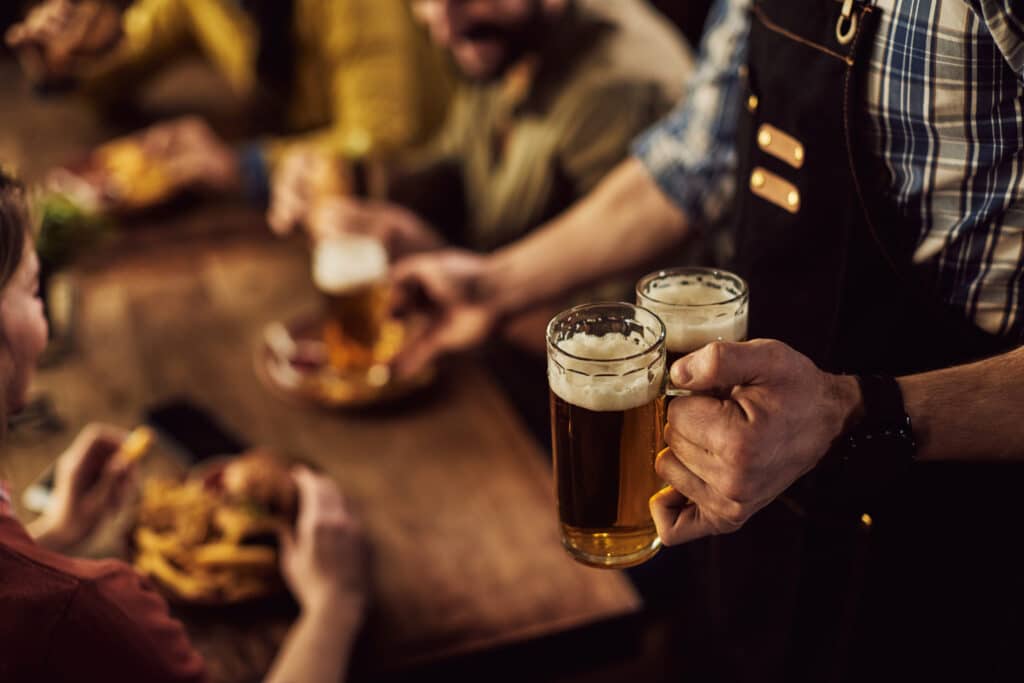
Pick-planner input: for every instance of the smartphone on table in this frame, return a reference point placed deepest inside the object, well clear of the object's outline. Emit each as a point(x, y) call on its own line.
point(185, 428)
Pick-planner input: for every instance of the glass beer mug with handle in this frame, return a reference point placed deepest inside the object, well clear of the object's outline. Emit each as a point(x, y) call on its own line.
point(606, 373)
point(698, 306)
point(351, 272)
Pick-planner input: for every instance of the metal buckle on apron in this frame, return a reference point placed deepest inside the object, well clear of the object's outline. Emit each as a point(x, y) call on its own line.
point(845, 34)
point(774, 189)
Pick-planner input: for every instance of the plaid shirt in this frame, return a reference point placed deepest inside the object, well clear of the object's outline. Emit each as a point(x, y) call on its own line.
point(943, 111)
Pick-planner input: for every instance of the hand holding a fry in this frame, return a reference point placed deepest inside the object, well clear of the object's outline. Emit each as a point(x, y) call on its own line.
point(325, 559)
point(92, 479)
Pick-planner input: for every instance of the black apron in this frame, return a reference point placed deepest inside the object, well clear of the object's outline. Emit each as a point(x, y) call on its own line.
point(807, 591)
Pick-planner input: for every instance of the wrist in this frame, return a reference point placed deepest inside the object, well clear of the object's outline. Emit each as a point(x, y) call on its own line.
point(876, 446)
point(848, 401)
point(335, 608)
point(51, 533)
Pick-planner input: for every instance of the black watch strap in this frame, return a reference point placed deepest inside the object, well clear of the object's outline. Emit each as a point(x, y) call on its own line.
point(881, 447)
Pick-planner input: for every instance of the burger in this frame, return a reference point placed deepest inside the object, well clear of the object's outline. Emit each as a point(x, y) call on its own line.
point(261, 481)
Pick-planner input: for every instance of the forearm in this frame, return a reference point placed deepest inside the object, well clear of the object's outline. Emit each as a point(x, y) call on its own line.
point(626, 221)
point(969, 412)
point(318, 647)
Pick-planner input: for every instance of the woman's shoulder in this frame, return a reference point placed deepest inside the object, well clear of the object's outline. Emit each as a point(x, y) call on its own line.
point(99, 618)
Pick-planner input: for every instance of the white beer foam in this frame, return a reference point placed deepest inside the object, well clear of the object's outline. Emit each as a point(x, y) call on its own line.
point(630, 384)
point(691, 295)
point(348, 262)
point(689, 330)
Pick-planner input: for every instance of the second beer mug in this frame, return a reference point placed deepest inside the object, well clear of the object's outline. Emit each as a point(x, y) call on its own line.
point(606, 371)
point(697, 305)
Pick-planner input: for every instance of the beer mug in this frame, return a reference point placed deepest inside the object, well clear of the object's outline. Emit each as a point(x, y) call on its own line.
point(351, 271)
point(698, 306)
point(606, 373)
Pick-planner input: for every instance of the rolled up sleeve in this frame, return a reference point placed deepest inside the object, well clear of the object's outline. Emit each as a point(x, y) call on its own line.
point(691, 153)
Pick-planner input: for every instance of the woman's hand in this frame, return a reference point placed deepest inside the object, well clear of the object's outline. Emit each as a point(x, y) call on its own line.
point(89, 484)
point(325, 559)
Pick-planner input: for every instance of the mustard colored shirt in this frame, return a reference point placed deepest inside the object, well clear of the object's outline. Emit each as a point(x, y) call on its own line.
point(366, 79)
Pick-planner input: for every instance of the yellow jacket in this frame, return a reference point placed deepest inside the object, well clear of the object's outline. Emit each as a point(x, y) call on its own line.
point(366, 78)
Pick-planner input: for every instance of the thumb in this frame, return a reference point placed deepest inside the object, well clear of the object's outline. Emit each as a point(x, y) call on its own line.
point(16, 35)
point(423, 272)
point(418, 355)
point(720, 365)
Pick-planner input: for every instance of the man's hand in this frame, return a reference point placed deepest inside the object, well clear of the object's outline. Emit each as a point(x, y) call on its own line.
point(59, 36)
point(302, 179)
point(89, 485)
point(765, 415)
point(192, 154)
point(400, 231)
point(448, 288)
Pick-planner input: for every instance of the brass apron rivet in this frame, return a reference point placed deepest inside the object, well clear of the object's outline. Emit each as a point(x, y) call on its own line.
point(752, 103)
point(793, 198)
point(764, 139)
point(757, 179)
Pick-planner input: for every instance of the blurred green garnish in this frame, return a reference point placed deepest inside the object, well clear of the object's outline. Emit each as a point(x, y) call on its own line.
point(66, 229)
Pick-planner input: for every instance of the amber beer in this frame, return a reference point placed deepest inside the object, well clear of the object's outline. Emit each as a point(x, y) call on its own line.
point(351, 272)
point(697, 305)
point(606, 372)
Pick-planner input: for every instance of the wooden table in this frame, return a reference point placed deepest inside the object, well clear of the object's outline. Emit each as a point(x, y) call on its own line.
point(457, 498)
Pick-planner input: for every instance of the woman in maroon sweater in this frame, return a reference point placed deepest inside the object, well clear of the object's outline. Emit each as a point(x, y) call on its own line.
point(65, 619)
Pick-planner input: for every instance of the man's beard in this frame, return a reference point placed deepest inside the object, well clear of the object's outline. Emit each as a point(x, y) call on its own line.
point(517, 41)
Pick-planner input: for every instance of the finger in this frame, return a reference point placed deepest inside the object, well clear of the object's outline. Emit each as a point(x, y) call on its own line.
point(419, 354)
point(700, 460)
point(722, 512)
point(682, 478)
point(676, 519)
point(704, 421)
point(16, 36)
point(424, 272)
point(286, 542)
point(724, 365)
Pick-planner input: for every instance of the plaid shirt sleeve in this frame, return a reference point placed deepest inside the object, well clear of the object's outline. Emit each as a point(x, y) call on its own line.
point(1005, 21)
point(691, 154)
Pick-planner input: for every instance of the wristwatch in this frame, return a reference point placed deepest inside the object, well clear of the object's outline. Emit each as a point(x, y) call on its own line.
point(880, 449)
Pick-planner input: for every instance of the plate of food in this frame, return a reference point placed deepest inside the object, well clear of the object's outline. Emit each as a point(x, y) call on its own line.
point(118, 176)
point(342, 355)
point(311, 359)
point(210, 539)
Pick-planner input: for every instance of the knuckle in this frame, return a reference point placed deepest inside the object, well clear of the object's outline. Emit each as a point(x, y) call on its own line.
point(670, 537)
point(661, 465)
point(732, 487)
point(740, 453)
point(714, 356)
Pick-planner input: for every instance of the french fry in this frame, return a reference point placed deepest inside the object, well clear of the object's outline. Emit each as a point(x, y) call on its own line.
point(136, 445)
point(242, 557)
point(190, 541)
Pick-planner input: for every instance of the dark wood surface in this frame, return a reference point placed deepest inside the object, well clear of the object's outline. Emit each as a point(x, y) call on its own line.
point(457, 498)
